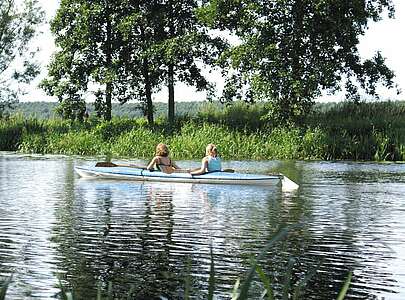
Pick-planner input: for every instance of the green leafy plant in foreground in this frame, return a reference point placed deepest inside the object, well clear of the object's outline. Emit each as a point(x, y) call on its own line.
point(3, 287)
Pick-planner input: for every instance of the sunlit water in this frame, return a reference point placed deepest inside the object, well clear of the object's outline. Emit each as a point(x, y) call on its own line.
point(157, 238)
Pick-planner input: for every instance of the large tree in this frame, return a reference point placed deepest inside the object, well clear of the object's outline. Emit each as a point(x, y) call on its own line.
point(18, 26)
point(104, 46)
point(168, 44)
point(82, 31)
point(88, 57)
point(128, 47)
point(141, 27)
point(186, 48)
point(289, 51)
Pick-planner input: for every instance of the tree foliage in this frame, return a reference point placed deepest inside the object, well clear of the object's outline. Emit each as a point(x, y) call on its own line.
point(87, 58)
point(186, 47)
point(18, 26)
point(290, 51)
point(128, 49)
point(141, 28)
point(164, 44)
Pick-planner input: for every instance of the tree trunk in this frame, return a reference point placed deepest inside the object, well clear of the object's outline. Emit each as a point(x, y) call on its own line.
point(148, 84)
point(148, 92)
point(108, 97)
point(171, 93)
point(170, 69)
point(108, 86)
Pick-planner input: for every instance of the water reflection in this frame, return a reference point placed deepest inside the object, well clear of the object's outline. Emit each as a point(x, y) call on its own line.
point(151, 235)
point(147, 233)
point(353, 224)
point(25, 214)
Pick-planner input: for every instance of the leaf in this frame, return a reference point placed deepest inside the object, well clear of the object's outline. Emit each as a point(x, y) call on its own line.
point(281, 233)
point(345, 287)
point(266, 282)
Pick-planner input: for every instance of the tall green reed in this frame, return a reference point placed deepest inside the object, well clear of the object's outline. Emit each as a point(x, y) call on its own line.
point(139, 142)
point(4, 286)
point(366, 131)
point(289, 290)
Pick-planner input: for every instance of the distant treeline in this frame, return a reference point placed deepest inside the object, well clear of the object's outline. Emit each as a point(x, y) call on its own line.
point(46, 110)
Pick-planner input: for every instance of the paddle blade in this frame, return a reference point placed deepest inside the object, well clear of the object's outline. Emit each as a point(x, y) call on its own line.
point(105, 164)
point(287, 184)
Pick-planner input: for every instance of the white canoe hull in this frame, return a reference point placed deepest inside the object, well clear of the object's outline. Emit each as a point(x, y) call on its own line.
point(136, 174)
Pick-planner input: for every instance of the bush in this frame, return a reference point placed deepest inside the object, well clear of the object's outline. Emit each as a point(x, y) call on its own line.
point(239, 115)
point(367, 131)
point(33, 143)
point(82, 143)
point(114, 128)
point(139, 142)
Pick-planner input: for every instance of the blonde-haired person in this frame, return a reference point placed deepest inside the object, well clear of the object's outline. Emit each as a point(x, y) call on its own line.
point(162, 161)
point(211, 162)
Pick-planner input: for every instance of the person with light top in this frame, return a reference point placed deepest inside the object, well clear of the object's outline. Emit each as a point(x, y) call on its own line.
point(210, 163)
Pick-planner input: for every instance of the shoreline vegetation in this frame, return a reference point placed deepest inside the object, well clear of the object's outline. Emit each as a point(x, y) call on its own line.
point(347, 130)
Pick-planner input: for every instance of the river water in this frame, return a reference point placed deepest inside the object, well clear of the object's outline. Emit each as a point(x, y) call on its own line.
point(160, 241)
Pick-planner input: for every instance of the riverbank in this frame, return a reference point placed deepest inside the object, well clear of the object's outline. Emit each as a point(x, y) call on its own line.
point(366, 131)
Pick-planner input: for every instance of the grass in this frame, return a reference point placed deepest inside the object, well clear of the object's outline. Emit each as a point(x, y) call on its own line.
point(366, 131)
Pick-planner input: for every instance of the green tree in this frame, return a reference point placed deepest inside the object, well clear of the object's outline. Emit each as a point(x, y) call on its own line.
point(141, 27)
point(104, 46)
point(167, 44)
point(17, 65)
point(292, 50)
point(130, 48)
point(186, 47)
point(88, 56)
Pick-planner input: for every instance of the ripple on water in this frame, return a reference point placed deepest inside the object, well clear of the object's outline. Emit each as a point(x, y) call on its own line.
point(151, 234)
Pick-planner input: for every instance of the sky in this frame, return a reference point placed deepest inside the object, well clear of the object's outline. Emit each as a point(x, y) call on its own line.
point(384, 36)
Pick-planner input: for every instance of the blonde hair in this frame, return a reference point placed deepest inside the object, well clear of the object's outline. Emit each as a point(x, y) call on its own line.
point(162, 150)
point(211, 148)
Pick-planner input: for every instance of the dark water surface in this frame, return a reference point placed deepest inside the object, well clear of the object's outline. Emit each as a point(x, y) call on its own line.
point(155, 237)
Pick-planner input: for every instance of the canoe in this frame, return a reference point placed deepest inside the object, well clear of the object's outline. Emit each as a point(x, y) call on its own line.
point(140, 174)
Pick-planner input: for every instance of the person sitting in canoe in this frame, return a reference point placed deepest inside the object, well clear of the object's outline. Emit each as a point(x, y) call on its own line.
point(211, 162)
point(162, 161)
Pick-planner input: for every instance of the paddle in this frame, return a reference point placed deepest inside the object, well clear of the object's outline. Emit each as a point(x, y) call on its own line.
point(108, 164)
point(287, 185)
